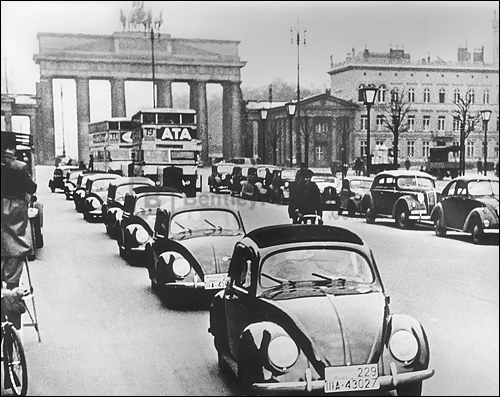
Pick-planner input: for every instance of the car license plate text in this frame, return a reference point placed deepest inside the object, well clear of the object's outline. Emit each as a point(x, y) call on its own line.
point(213, 281)
point(354, 377)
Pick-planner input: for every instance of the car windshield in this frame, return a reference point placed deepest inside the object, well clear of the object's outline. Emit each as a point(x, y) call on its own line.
point(100, 185)
point(315, 264)
point(359, 185)
point(483, 188)
point(415, 182)
point(196, 220)
point(324, 179)
point(225, 169)
point(149, 204)
point(124, 189)
point(288, 174)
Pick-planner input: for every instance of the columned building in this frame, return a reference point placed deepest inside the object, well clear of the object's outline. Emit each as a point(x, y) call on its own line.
point(127, 56)
point(431, 88)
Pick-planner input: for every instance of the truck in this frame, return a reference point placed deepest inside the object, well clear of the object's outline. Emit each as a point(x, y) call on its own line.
point(444, 161)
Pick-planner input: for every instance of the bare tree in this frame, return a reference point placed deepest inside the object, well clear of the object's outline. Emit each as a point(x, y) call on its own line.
point(395, 118)
point(467, 121)
point(306, 132)
point(273, 136)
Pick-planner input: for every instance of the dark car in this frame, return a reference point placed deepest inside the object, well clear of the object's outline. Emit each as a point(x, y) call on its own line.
point(352, 192)
point(70, 183)
point(238, 176)
point(80, 186)
point(328, 188)
point(468, 204)
point(283, 180)
point(60, 175)
point(112, 208)
point(304, 309)
point(136, 224)
point(96, 190)
point(263, 180)
point(218, 180)
point(407, 196)
point(192, 247)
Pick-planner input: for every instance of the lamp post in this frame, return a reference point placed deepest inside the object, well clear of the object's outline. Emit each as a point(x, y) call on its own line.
point(299, 32)
point(263, 117)
point(485, 115)
point(369, 94)
point(290, 111)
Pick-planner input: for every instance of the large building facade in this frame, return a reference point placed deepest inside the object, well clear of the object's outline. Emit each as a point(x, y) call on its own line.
point(431, 89)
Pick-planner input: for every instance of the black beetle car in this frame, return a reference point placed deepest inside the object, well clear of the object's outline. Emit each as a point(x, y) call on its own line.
point(112, 208)
point(79, 191)
point(96, 190)
point(352, 192)
point(60, 175)
point(192, 247)
point(218, 180)
point(304, 309)
point(136, 223)
point(282, 183)
point(328, 188)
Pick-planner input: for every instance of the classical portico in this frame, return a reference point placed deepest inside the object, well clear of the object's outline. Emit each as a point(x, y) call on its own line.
point(128, 56)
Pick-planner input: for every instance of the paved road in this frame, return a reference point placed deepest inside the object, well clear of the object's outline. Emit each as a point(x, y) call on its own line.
point(105, 333)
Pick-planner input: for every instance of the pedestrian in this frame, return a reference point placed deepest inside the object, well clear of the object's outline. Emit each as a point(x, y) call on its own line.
point(299, 174)
point(407, 163)
point(268, 179)
point(17, 186)
point(305, 199)
point(479, 166)
point(91, 162)
point(358, 166)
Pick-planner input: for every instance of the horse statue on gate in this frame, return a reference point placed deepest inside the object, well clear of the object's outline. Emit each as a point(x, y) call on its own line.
point(159, 20)
point(137, 14)
point(123, 20)
point(147, 20)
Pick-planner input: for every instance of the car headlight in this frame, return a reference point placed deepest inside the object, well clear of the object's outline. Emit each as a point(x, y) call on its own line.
point(282, 352)
point(420, 197)
point(486, 223)
point(287, 184)
point(403, 346)
point(357, 196)
point(321, 190)
point(141, 235)
point(93, 203)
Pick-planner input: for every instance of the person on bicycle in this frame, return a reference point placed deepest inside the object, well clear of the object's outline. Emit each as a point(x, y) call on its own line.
point(305, 199)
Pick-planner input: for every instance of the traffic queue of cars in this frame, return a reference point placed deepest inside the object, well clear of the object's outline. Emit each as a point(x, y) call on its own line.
point(293, 308)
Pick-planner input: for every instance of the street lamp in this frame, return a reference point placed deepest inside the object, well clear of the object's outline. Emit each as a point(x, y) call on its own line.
point(290, 111)
point(369, 94)
point(485, 115)
point(263, 117)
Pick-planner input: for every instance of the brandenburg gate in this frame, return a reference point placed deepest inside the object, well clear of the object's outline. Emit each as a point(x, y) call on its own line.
point(128, 56)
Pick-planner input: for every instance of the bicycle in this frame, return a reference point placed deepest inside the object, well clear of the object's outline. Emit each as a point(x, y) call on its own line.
point(12, 353)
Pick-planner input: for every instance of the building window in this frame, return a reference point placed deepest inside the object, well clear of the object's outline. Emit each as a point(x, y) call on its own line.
point(441, 95)
point(441, 123)
point(379, 143)
point(360, 92)
point(427, 95)
point(427, 123)
point(411, 95)
point(410, 148)
point(486, 97)
point(394, 95)
point(471, 96)
point(321, 128)
point(380, 122)
point(411, 123)
point(456, 124)
point(364, 123)
point(319, 152)
point(381, 93)
point(456, 95)
point(470, 149)
point(363, 148)
point(425, 149)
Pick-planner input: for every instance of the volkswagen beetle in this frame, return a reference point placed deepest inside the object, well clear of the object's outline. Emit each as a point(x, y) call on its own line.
point(468, 204)
point(192, 247)
point(79, 192)
point(352, 192)
point(96, 190)
point(304, 310)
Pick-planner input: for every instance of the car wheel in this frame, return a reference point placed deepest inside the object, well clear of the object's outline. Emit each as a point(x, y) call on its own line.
point(370, 215)
point(351, 210)
point(402, 217)
point(439, 227)
point(340, 210)
point(413, 389)
point(52, 189)
point(477, 231)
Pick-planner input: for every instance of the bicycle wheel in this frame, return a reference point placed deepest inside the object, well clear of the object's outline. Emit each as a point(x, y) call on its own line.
point(16, 370)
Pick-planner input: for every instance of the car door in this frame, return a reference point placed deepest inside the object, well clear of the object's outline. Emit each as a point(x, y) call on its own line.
point(455, 210)
point(378, 192)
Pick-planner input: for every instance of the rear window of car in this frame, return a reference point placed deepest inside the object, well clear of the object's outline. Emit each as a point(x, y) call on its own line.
point(483, 188)
point(315, 264)
point(210, 220)
point(415, 182)
point(225, 169)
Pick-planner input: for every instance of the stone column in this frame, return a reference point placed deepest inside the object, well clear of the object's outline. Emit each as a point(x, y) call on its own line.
point(227, 139)
point(44, 140)
point(83, 117)
point(198, 101)
point(236, 101)
point(164, 92)
point(118, 104)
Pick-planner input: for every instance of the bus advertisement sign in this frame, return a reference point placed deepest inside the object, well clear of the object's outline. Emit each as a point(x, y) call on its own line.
point(176, 133)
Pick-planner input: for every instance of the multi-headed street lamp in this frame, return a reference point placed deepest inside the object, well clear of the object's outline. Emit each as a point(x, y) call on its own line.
point(485, 115)
point(263, 117)
point(369, 93)
point(290, 111)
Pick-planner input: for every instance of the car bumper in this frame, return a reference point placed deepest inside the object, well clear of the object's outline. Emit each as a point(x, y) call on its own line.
point(189, 285)
point(387, 382)
point(419, 215)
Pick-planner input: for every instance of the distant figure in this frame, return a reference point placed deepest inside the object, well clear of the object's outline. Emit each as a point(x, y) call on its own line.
point(300, 173)
point(358, 166)
point(422, 168)
point(479, 166)
point(81, 165)
point(91, 162)
point(407, 163)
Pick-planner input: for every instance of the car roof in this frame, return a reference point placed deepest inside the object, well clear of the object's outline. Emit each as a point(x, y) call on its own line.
point(359, 178)
point(103, 176)
point(195, 203)
point(156, 189)
point(468, 178)
point(123, 180)
point(397, 173)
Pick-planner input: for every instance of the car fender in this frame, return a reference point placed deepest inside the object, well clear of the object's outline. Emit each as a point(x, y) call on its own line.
point(407, 200)
point(436, 212)
point(367, 202)
point(482, 213)
point(218, 321)
point(398, 322)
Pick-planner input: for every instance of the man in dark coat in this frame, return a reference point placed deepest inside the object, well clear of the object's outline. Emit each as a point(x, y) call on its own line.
point(305, 198)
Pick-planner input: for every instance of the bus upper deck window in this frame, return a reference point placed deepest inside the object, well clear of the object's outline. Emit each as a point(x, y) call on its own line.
point(168, 118)
point(188, 119)
point(149, 118)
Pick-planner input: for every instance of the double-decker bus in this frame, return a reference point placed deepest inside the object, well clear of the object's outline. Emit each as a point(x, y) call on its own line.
point(110, 144)
point(166, 148)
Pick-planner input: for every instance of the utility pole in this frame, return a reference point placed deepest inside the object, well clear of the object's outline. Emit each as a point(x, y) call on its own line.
point(62, 123)
point(6, 80)
point(299, 32)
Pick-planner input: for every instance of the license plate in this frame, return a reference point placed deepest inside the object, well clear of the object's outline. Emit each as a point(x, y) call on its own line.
point(213, 281)
point(330, 201)
point(354, 377)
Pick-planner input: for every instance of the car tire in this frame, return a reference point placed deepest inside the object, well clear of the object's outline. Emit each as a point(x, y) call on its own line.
point(403, 217)
point(413, 389)
point(476, 232)
point(439, 227)
point(370, 215)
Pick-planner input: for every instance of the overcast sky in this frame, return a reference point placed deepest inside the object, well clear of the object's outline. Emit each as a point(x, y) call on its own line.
point(422, 28)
